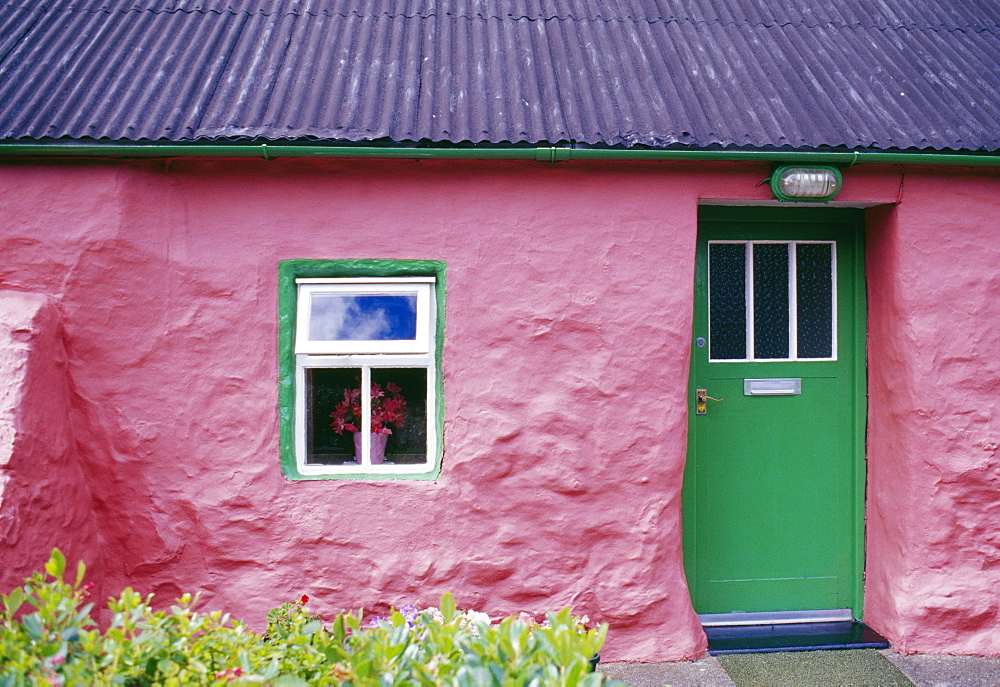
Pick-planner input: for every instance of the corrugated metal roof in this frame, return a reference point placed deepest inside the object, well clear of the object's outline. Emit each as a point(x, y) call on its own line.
point(748, 73)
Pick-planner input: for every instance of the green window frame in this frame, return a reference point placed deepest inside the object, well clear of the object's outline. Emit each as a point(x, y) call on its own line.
point(291, 366)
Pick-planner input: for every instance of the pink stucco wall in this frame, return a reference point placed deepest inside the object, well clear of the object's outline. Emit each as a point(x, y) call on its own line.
point(565, 367)
point(933, 574)
point(43, 491)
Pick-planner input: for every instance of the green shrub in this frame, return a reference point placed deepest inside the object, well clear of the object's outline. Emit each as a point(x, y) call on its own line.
point(47, 637)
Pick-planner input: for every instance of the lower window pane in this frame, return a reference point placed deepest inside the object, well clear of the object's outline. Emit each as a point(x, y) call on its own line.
point(398, 422)
point(399, 406)
point(324, 392)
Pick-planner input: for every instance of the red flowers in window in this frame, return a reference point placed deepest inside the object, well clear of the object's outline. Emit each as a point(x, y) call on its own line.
point(388, 408)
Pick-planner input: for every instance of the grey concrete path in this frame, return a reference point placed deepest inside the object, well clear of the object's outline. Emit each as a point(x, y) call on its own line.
point(706, 671)
point(923, 670)
point(941, 671)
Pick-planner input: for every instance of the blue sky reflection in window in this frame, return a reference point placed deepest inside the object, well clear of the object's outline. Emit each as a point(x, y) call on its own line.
point(374, 317)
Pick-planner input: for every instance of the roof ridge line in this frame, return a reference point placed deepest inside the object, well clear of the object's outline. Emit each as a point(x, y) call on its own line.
point(896, 26)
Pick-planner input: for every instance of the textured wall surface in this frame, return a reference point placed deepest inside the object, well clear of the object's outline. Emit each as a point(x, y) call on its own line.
point(933, 582)
point(565, 368)
point(44, 494)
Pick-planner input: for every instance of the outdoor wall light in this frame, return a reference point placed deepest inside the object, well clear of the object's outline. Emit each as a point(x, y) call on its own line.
point(797, 184)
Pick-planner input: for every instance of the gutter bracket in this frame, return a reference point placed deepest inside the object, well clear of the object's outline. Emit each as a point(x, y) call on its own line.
point(545, 154)
point(553, 154)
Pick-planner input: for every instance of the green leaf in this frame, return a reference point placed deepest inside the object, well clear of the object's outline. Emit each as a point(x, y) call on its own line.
point(497, 671)
point(13, 601)
point(83, 615)
point(353, 620)
point(167, 667)
point(364, 668)
point(33, 625)
point(56, 565)
point(270, 670)
point(334, 653)
point(338, 629)
point(448, 607)
point(81, 569)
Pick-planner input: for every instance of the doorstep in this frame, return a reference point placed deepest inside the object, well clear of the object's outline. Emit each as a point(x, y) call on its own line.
point(812, 636)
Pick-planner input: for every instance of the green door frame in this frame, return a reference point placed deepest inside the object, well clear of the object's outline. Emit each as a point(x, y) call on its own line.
point(777, 216)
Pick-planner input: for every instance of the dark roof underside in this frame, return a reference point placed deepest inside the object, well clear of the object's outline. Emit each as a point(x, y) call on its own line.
point(803, 74)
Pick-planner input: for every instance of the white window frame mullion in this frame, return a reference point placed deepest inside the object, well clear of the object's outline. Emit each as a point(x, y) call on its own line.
point(834, 287)
point(793, 302)
point(431, 412)
point(300, 411)
point(748, 289)
point(366, 415)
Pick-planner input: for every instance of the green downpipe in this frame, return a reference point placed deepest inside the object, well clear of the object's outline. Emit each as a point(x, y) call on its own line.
point(541, 154)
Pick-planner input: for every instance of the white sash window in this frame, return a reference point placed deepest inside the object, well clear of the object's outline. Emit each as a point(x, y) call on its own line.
point(365, 376)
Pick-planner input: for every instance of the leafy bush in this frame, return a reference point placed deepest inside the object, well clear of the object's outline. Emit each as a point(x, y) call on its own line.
point(47, 637)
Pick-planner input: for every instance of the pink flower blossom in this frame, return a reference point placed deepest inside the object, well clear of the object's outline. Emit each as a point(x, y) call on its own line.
point(386, 409)
point(228, 675)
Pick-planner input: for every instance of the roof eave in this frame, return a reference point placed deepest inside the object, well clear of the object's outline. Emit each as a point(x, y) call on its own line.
point(542, 153)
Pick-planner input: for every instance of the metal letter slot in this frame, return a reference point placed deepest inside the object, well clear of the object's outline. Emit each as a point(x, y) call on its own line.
point(791, 386)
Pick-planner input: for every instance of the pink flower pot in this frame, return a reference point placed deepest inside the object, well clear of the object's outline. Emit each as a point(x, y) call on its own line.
point(377, 450)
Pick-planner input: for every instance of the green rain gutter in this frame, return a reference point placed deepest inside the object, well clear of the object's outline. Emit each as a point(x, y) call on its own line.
point(541, 154)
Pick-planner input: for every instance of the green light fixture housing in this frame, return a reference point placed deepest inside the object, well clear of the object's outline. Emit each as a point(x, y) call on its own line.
point(800, 184)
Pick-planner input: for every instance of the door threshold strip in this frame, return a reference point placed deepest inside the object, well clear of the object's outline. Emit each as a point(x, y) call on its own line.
point(743, 639)
point(776, 617)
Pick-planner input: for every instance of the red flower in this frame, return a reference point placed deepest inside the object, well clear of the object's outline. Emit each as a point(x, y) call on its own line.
point(229, 674)
point(386, 410)
point(304, 599)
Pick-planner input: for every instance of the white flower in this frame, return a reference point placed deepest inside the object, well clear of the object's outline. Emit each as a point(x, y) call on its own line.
point(477, 617)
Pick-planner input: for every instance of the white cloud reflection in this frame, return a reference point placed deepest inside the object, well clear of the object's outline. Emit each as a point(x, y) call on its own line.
point(336, 317)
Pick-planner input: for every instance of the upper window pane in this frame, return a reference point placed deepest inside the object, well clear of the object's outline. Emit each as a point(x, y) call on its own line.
point(373, 317)
point(348, 316)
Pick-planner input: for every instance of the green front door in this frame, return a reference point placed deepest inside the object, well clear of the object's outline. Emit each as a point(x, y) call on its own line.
point(773, 488)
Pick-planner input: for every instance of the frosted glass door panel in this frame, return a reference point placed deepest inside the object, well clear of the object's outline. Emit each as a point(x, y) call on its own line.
point(772, 300)
point(814, 269)
point(728, 314)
